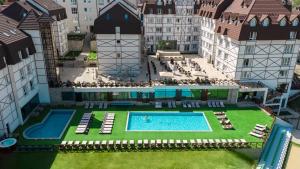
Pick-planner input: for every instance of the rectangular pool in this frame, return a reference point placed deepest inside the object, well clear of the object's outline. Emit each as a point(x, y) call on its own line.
point(52, 126)
point(167, 121)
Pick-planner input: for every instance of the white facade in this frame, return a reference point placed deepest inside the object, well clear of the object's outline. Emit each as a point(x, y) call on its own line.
point(60, 31)
point(119, 54)
point(183, 27)
point(82, 13)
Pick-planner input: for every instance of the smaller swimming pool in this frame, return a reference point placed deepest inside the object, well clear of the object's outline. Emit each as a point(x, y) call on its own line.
point(52, 126)
point(168, 121)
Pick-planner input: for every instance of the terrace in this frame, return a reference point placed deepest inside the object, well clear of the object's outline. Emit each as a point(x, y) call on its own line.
point(190, 70)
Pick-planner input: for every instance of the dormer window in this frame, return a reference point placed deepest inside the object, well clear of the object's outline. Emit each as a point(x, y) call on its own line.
point(282, 22)
point(126, 17)
point(253, 22)
point(295, 22)
point(266, 22)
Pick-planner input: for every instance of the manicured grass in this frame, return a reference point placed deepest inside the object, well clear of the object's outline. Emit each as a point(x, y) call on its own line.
point(128, 160)
point(243, 119)
point(92, 56)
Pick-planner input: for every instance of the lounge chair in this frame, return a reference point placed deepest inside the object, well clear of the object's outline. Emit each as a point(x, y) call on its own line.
point(197, 105)
point(100, 105)
point(261, 126)
point(189, 105)
point(174, 104)
point(104, 105)
point(184, 105)
point(209, 104)
point(222, 104)
point(91, 105)
point(86, 105)
point(193, 104)
point(169, 105)
point(217, 104)
point(256, 135)
point(260, 129)
point(213, 104)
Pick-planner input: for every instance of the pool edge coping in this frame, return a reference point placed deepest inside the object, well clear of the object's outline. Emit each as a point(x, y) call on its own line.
point(44, 119)
point(191, 131)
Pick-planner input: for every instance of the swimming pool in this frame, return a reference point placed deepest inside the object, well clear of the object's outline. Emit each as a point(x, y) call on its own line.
point(52, 126)
point(167, 121)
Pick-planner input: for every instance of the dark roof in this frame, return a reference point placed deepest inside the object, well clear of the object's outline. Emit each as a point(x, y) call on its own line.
point(118, 14)
point(18, 10)
point(236, 20)
point(53, 8)
point(30, 22)
point(151, 7)
point(13, 40)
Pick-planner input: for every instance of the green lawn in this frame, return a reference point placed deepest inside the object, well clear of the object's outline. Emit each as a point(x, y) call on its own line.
point(128, 160)
point(92, 56)
point(243, 119)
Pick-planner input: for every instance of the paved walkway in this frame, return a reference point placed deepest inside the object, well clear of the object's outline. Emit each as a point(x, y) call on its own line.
point(296, 136)
point(293, 161)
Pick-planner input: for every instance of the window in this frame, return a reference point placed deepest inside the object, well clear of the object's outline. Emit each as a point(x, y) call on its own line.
point(288, 49)
point(293, 35)
point(226, 56)
point(285, 61)
point(74, 10)
point(266, 22)
point(249, 49)
point(253, 36)
point(118, 55)
point(108, 17)
point(85, 9)
point(25, 92)
point(245, 75)
point(29, 69)
point(31, 84)
point(73, 2)
point(283, 73)
point(158, 30)
point(247, 62)
point(282, 22)
point(118, 29)
point(22, 73)
point(295, 22)
point(126, 17)
point(159, 11)
point(253, 22)
point(170, 11)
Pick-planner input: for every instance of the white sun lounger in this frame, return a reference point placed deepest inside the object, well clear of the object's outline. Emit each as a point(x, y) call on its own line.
point(217, 104)
point(260, 129)
point(184, 105)
point(213, 104)
point(197, 104)
point(86, 105)
point(193, 104)
point(91, 105)
point(104, 105)
point(261, 126)
point(107, 126)
point(100, 105)
point(222, 104)
point(209, 104)
point(174, 104)
point(256, 135)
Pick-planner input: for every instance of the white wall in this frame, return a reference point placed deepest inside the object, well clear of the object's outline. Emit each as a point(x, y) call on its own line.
point(129, 50)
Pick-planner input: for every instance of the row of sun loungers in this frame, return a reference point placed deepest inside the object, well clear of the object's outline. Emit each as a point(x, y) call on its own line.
point(224, 121)
point(91, 105)
point(83, 126)
point(158, 105)
point(107, 124)
point(259, 131)
point(171, 104)
point(191, 105)
point(215, 104)
point(144, 144)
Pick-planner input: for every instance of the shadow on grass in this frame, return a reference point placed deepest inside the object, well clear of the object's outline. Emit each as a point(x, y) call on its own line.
point(36, 160)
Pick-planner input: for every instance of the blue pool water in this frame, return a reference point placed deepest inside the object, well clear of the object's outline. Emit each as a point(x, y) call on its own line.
point(52, 127)
point(167, 121)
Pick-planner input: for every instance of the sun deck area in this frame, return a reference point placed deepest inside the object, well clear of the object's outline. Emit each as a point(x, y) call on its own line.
point(243, 120)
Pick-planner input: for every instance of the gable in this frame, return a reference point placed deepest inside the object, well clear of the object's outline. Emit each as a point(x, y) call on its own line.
point(117, 16)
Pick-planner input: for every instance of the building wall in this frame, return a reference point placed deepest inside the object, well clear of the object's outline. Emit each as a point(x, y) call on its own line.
point(182, 27)
point(60, 30)
point(87, 12)
point(40, 66)
point(8, 113)
point(271, 62)
point(122, 58)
